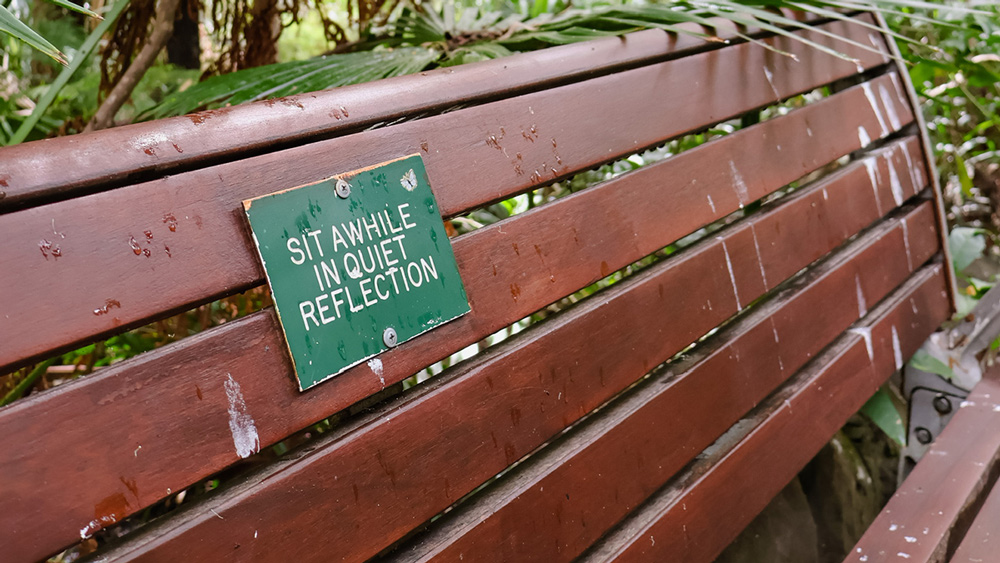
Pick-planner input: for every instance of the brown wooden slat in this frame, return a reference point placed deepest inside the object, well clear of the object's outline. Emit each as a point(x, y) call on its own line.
point(980, 543)
point(168, 394)
point(39, 170)
point(555, 511)
point(197, 215)
point(694, 520)
point(943, 489)
point(493, 411)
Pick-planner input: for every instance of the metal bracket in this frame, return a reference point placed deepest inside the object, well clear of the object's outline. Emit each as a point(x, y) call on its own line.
point(933, 399)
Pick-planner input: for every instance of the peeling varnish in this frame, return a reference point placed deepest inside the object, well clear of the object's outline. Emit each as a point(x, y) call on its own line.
point(732, 277)
point(863, 137)
point(711, 203)
point(906, 245)
point(871, 165)
point(897, 188)
point(770, 80)
point(862, 304)
point(739, 185)
point(890, 107)
point(867, 87)
point(241, 424)
point(375, 365)
point(760, 261)
point(866, 334)
point(897, 353)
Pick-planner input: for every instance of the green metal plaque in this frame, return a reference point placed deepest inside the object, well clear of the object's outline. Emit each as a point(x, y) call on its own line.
point(357, 264)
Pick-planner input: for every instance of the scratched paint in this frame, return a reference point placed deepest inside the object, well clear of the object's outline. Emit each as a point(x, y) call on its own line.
point(739, 185)
point(897, 353)
point(732, 277)
point(867, 87)
point(866, 334)
point(862, 304)
point(241, 424)
point(375, 365)
point(890, 107)
point(871, 166)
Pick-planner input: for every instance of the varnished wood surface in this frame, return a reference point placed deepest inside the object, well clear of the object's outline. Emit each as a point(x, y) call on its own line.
point(570, 497)
point(157, 248)
point(929, 514)
point(509, 270)
point(503, 405)
point(71, 166)
point(697, 516)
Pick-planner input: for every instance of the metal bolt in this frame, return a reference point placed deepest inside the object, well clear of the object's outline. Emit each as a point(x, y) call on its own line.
point(389, 337)
point(923, 435)
point(942, 404)
point(343, 189)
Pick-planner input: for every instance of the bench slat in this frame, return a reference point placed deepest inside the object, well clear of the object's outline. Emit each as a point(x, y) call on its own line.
point(704, 510)
point(937, 501)
point(397, 469)
point(570, 497)
point(195, 216)
point(36, 172)
point(980, 543)
point(168, 395)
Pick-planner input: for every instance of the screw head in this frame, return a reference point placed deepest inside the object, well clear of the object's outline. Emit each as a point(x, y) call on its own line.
point(389, 337)
point(942, 405)
point(343, 189)
point(923, 435)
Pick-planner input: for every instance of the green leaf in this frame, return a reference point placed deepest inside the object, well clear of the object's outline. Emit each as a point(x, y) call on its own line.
point(76, 8)
point(966, 244)
point(296, 77)
point(923, 361)
point(14, 26)
point(883, 412)
point(78, 59)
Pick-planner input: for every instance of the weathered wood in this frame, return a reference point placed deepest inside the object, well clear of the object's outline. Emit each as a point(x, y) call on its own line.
point(694, 519)
point(503, 405)
point(71, 166)
point(939, 499)
point(195, 236)
point(564, 501)
point(168, 395)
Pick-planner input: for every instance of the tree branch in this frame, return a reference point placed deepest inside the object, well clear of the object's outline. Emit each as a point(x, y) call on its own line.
point(163, 28)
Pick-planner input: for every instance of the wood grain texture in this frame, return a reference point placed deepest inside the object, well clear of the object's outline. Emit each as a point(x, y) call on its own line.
point(194, 231)
point(697, 516)
point(175, 396)
point(497, 408)
point(556, 507)
point(938, 500)
point(70, 166)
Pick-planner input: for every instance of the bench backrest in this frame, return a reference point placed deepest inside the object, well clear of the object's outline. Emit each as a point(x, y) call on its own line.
point(715, 327)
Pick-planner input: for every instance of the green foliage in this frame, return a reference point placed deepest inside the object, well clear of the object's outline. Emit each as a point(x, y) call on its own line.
point(922, 360)
point(285, 79)
point(966, 244)
point(885, 413)
point(9, 23)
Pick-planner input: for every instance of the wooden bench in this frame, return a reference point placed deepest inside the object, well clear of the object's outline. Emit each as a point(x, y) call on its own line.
point(649, 420)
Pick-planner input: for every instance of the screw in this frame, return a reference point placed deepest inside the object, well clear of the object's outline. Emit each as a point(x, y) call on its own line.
point(343, 189)
point(923, 435)
point(942, 404)
point(389, 337)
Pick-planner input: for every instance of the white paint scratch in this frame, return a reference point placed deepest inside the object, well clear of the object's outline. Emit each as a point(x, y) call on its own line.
point(147, 142)
point(866, 334)
point(910, 539)
point(913, 306)
point(826, 196)
point(770, 80)
point(96, 524)
point(871, 165)
point(862, 304)
point(711, 203)
point(893, 527)
point(906, 245)
point(890, 108)
point(916, 176)
point(867, 87)
point(375, 365)
point(863, 137)
point(732, 277)
point(897, 188)
point(903, 555)
point(809, 131)
point(739, 184)
point(241, 424)
point(897, 353)
point(760, 261)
